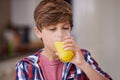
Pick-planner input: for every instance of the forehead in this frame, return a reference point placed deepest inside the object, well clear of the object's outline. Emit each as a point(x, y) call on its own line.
point(62, 24)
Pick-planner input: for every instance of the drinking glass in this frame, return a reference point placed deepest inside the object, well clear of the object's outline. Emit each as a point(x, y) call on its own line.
point(64, 55)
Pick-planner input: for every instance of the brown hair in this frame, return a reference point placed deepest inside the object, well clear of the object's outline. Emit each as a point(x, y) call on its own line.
point(51, 12)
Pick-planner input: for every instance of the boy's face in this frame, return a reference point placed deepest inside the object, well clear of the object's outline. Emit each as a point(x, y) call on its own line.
point(48, 34)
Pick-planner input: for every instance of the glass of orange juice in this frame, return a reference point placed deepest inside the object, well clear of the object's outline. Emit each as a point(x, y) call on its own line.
point(64, 55)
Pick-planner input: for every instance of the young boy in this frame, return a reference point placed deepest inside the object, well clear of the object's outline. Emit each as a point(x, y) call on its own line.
point(55, 17)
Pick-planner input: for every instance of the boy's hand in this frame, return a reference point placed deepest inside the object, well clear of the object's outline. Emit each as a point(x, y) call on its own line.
point(70, 44)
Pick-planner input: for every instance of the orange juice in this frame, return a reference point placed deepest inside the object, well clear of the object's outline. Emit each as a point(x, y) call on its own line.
point(64, 55)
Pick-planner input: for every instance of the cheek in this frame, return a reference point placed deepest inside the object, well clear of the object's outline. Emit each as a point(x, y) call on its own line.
point(48, 41)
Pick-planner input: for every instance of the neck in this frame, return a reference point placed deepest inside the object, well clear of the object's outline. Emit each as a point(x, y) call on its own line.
point(49, 54)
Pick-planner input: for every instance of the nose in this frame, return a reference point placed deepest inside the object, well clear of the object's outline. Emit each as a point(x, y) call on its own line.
point(60, 33)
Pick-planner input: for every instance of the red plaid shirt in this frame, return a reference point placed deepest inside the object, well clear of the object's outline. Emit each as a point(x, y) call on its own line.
point(29, 69)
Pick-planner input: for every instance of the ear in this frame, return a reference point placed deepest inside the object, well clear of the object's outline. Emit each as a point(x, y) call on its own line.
point(37, 32)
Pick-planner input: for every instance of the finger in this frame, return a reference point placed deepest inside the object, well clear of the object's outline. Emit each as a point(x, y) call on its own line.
point(68, 47)
point(68, 41)
point(69, 37)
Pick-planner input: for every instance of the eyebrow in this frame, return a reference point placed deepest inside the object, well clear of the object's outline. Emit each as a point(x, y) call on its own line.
point(66, 24)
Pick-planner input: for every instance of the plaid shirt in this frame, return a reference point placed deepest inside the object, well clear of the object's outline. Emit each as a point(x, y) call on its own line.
point(29, 69)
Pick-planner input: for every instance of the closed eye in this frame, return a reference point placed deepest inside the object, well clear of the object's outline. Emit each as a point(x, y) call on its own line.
point(66, 28)
point(52, 29)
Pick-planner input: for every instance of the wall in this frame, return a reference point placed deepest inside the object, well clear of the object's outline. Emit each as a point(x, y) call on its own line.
point(22, 13)
point(97, 28)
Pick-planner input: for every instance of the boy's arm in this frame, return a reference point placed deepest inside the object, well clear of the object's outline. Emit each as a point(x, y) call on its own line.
point(91, 68)
point(84, 61)
point(25, 71)
point(21, 74)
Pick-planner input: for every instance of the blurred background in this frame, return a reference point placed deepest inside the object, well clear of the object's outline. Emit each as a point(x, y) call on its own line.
point(96, 28)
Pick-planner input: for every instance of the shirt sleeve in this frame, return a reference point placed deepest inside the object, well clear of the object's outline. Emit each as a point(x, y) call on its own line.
point(94, 64)
point(25, 71)
point(21, 71)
